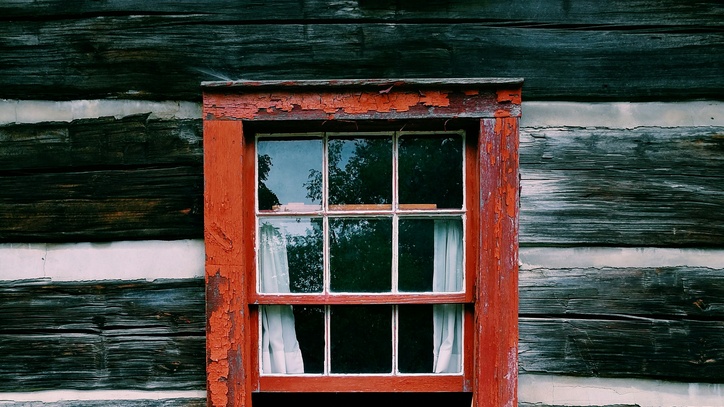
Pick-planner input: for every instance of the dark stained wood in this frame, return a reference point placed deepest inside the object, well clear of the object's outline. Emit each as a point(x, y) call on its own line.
point(143, 203)
point(117, 308)
point(125, 335)
point(104, 142)
point(683, 350)
point(662, 292)
point(623, 13)
point(640, 187)
point(167, 56)
point(135, 178)
point(664, 323)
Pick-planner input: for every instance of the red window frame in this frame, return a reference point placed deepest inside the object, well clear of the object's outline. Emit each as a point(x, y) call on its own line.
point(489, 111)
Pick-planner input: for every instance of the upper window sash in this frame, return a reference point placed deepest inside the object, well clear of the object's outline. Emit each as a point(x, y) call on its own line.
point(305, 161)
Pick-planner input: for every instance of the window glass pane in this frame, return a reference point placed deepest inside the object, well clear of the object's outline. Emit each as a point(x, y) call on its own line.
point(310, 333)
point(290, 255)
point(361, 338)
point(430, 338)
point(431, 171)
point(415, 339)
point(292, 339)
point(360, 172)
point(289, 174)
point(430, 255)
point(415, 254)
point(360, 254)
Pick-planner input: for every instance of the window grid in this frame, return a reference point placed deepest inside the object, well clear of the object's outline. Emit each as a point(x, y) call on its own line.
point(394, 214)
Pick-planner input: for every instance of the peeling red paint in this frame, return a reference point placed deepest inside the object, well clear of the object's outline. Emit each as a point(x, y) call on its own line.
point(502, 113)
point(511, 96)
point(395, 104)
point(249, 106)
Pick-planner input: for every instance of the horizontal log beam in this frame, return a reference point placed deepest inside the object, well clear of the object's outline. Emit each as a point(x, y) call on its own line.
point(664, 349)
point(166, 57)
point(150, 335)
point(641, 187)
point(661, 292)
point(658, 13)
point(140, 178)
point(131, 141)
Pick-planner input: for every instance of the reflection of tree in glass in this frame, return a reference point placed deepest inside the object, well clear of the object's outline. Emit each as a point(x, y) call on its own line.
point(267, 198)
point(304, 254)
point(361, 338)
point(360, 255)
point(365, 177)
point(430, 171)
point(309, 326)
point(416, 250)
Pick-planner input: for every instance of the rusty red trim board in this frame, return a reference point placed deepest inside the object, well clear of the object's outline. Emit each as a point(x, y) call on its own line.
point(361, 100)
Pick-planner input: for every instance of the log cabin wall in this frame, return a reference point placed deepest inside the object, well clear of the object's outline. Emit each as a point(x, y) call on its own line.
point(622, 212)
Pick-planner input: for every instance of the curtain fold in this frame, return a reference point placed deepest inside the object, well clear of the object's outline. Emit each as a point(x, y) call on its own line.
point(447, 277)
point(280, 348)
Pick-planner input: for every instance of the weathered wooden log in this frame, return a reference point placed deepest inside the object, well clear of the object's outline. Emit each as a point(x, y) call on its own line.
point(150, 335)
point(144, 203)
point(133, 335)
point(106, 142)
point(135, 178)
point(684, 350)
point(662, 292)
point(167, 56)
point(656, 13)
point(640, 187)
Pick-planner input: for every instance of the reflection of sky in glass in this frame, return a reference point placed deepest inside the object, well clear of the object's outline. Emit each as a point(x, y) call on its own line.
point(291, 162)
point(347, 150)
point(290, 226)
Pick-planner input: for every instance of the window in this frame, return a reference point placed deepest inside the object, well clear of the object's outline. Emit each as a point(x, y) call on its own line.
point(361, 236)
point(363, 232)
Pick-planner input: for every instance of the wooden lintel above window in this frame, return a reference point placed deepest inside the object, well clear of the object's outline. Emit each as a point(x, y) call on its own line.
point(367, 99)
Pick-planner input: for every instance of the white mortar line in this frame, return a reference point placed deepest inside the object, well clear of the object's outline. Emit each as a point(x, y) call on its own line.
point(38, 111)
point(51, 396)
point(150, 260)
point(535, 114)
point(547, 257)
point(622, 114)
point(545, 389)
point(123, 260)
point(592, 391)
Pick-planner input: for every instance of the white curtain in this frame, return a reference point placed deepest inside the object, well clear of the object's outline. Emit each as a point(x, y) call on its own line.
point(280, 349)
point(447, 277)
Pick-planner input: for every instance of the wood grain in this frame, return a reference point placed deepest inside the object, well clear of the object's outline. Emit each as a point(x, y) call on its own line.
point(132, 335)
point(656, 13)
point(134, 178)
point(655, 323)
point(167, 56)
point(104, 142)
point(608, 187)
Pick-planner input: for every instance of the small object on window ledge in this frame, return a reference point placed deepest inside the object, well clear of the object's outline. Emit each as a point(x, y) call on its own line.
point(296, 207)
